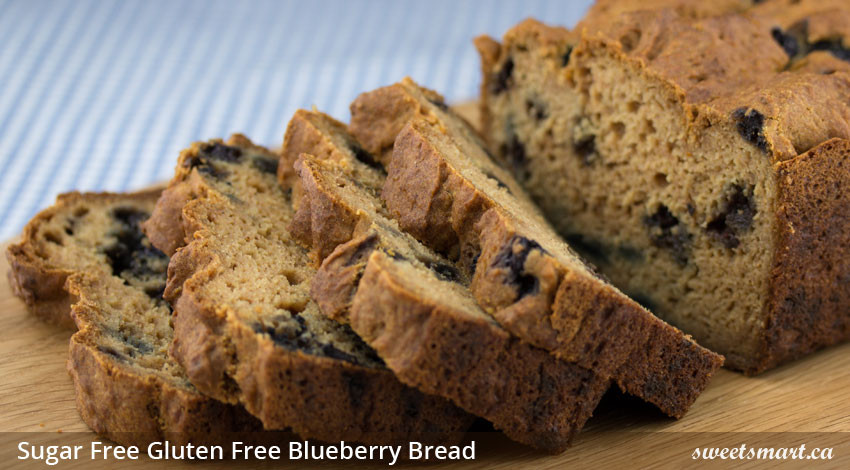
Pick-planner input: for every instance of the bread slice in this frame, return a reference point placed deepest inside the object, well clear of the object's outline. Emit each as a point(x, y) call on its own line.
point(413, 306)
point(246, 328)
point(60, 241)
point(88, 250)
point(661, 145)
point(445, 190)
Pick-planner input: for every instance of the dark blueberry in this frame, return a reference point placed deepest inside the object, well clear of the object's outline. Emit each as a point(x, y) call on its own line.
point(585, 148)
point(565, 59)
point(389, 228)
point(363, 250)
point(514, 151)
point(331, 351)
point(788, 41)
point(735, 218)
point(474, 262)
point(499, 182)
point(514, 261)
point(130, 217)
point(143, 347)
point(289, 335)
point(587, 247)
point(439, 103)
point(395, 255)
point(221, 152)
point(265, 164)
point(205, 166)
point(751, 126)
point(360, 346)
point(365, 157)
point(109, 350)
point(155, 292)
point(445, 272)
point(208, 169)
point(536, 109)
point(666, 232)
point(502, 80)
point(833, 46)
point(131, 255)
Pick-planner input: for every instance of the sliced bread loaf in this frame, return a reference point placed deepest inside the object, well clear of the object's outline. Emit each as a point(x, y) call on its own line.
point(445, 190)
point(246, 329)
point(661, 143)
point(89, 250)
point(413, 306)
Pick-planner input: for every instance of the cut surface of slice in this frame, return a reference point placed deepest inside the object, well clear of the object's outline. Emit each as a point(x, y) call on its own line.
point(90, 250)
point(245, 326)
point(654, 144)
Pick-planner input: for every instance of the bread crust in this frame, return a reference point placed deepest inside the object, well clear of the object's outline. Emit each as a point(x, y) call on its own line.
point(802, 97)
point(438, 346)
point(579, 318)
point(532, 397)
point(113, 399)
point(317, 397)
point(118, 403)
point(810, 280)
point(31, 275)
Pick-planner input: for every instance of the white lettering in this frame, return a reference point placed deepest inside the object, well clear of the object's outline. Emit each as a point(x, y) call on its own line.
point(50, 454)
point(295, 451)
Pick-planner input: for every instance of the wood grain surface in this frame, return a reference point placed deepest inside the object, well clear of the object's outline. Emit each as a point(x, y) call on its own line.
point(807, 402)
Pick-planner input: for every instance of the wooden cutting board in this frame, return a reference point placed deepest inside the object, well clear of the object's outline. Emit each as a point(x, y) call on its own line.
point(807, 402)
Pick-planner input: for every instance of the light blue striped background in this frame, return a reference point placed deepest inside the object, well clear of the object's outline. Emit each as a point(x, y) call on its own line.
point(102, 95)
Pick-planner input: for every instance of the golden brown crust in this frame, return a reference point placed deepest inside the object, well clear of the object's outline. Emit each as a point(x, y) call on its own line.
point(116, 399)
point(810, 282)
point(797, 100)
point(525, 392)
point(318, 397)
point(577, 317)
point(132, 409)
point(304, 135)
point(445, 345)
point(784, 61)
point(375, 127)
point(321, 222)
point(32, 276)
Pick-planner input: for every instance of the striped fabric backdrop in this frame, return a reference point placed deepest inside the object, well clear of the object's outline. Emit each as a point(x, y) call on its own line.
point(102, 94)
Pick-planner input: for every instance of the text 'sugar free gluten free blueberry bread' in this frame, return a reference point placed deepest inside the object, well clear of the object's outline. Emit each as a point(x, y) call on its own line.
point(246, 329)
point(686, 151)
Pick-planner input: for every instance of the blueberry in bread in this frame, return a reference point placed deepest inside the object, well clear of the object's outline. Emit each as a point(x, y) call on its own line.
point(433, 335)
point(445, 190)
point(69, 237)
point(246, 329)
point(671, 146)
point(89, 250)
point(413, 306)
